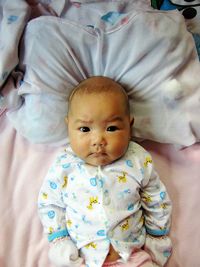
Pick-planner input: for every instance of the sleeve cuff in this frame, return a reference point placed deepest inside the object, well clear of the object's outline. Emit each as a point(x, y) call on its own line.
point(154, 232)
point(59, 234)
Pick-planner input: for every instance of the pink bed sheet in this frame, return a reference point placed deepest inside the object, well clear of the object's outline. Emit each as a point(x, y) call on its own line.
point(23, 166)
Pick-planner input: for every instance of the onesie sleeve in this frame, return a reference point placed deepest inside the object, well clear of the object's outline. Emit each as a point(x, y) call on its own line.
point(155, 201)
point(51, 207)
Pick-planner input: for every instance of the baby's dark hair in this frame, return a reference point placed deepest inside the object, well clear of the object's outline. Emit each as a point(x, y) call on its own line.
point(97, 85)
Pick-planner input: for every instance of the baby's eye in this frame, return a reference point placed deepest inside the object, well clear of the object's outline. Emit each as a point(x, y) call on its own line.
point(84, 129)
point(112, 128)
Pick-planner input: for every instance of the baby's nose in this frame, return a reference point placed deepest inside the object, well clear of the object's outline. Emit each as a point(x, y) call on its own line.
point(99, 140)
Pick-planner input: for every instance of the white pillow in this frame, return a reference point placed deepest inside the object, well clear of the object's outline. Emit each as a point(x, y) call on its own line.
point(148, 51)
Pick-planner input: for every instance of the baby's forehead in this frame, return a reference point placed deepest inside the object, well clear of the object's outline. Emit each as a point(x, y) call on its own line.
point(112, 97)
point(92, 91)
point(100, 88)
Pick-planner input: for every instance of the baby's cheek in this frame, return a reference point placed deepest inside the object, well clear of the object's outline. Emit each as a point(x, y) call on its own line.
point(119, 150)
point(78, 146)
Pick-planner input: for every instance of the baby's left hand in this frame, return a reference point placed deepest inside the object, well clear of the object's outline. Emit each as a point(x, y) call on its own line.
point(159, 248)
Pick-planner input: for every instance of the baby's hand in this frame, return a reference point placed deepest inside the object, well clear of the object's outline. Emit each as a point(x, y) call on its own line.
point(159, 248)
point(112, 255)
point(65, 254)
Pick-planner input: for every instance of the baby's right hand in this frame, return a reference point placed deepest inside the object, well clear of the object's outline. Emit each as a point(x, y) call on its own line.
point(64, 253)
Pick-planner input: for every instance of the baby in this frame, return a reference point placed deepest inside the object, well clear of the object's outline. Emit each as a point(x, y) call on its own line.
point(102, 203)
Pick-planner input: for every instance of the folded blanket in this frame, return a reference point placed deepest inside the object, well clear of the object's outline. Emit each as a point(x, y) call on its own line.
point(15, 17)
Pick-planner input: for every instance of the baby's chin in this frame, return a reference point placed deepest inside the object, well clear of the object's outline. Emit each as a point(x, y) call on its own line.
point(100, 160)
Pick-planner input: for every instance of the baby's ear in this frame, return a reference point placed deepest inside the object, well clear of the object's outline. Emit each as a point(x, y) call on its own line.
point(66, 120)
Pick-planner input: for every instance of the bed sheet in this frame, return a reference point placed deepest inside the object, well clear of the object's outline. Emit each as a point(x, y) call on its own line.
point(23, 166)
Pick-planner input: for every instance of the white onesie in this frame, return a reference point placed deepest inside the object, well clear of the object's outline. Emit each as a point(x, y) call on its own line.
point(97, 206)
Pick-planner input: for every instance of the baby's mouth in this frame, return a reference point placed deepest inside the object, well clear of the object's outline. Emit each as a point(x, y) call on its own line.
point(98, 154)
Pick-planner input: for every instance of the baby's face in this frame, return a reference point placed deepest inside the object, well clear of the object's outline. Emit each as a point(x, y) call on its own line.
point(98, 127)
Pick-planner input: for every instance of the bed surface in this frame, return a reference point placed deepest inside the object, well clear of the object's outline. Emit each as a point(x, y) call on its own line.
point(23, 166)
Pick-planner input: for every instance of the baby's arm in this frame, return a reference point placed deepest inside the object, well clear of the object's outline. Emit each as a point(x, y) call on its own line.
point(157, 215)
point(63, 251)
